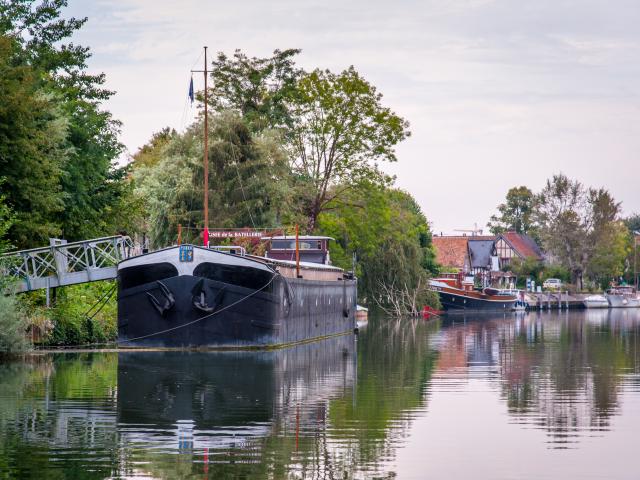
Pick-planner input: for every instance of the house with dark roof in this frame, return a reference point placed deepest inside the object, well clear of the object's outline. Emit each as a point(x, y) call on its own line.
point(510, 245)
point(483, 259)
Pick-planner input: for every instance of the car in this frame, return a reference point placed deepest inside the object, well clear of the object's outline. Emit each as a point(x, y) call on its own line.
point(552, 284)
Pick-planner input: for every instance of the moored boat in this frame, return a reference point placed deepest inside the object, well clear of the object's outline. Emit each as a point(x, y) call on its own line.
point(457, 293)
point(623, 296)
point(190, 296)
point(595, 301)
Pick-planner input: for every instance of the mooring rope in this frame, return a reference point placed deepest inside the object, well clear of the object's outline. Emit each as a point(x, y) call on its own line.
point(116, 343)
point(246, 297)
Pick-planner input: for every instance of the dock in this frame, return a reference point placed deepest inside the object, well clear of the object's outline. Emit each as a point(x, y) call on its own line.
point(555, 300)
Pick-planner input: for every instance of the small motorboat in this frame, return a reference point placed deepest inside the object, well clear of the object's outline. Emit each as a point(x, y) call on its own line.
point(596, 301)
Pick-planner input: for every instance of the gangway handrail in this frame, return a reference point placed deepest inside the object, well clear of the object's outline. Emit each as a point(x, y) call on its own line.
point(62, 264)
point(68, 244)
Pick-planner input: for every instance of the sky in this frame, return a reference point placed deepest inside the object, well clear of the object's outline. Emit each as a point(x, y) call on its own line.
point(499, 93)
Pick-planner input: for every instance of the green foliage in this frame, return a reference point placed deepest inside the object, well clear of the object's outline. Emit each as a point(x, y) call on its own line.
point(259, 89)
point(57, 146)
point(81, 314)
point(13, 324)
point(529, 267)
point(612, 248)
point(340, 130)
point(515, 214)
point(555, 270)
point(249, 183)
point(389, 236)
point(580, 228)
point(32, 133)
point(6, 221)
point(151, 153)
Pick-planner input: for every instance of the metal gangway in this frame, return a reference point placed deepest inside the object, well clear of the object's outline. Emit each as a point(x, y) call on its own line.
point(62, 263)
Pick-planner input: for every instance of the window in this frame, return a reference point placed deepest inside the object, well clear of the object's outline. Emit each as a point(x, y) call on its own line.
point(140, 274)
point(242, 276)
point(291, 244)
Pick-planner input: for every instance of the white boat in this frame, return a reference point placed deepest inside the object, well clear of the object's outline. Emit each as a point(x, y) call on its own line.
point(623, 297)
point(596, 301)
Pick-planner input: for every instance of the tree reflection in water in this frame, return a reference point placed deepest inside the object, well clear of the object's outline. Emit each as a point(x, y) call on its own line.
point(342, 408)
point(560, 372)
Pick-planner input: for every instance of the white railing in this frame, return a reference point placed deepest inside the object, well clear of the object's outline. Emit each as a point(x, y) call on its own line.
point(65, 263)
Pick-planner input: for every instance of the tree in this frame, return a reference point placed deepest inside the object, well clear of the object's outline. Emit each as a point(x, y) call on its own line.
point(577, 225)
point(390, 237)
point(515, 213)
point(84, 149)
point(32, 151)
point(340, 130)
point(150, 154)
point(259, 89)
point(248, 185)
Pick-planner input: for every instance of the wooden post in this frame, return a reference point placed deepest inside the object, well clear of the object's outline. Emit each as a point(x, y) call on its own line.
point(297, 252)
point(205, 237)
point(179, 234)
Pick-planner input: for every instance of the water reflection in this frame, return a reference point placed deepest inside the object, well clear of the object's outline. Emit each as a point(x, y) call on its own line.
point(558, 371)
point(344, 408)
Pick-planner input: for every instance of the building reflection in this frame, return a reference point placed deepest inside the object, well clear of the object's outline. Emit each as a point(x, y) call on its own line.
point(560, 372)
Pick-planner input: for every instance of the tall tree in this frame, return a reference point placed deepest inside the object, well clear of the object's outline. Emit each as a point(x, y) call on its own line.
point(340, 130)
point(515, 213)
point(89, 178)
point(32, 150)
point(248, 185)
point(577, 225)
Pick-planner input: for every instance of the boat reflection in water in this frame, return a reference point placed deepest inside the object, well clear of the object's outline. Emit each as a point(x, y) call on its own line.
point(193, 401)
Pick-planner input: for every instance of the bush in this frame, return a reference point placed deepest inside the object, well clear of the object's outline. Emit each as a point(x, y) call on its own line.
point(13, 325)
point(78, 316)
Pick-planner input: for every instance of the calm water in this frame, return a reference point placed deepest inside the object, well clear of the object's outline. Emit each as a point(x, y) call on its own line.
point(534, 396)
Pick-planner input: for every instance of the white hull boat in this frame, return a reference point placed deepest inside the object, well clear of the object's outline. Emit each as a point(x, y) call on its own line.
point(623, 297)
point(596, 301)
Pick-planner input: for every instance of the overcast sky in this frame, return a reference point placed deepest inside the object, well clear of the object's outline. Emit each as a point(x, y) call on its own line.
point(498, 92)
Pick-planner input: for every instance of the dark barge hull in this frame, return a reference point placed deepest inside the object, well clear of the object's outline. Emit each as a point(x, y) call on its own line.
point(286, 311)
point(453, 302)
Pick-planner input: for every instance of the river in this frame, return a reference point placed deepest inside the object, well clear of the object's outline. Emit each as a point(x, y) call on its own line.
point(541, 395)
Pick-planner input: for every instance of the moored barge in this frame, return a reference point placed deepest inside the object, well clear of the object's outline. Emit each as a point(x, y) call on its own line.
point(189, 296)
point(458, 293)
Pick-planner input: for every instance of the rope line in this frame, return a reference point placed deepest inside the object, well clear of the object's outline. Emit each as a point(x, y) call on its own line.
point(116, 343)
point(246, 297)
